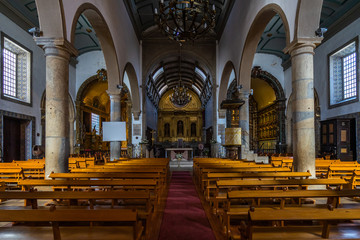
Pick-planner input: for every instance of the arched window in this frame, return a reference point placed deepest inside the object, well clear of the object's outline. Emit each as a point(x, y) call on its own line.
point(193, 129)
point(180, 128)
point(166, 130)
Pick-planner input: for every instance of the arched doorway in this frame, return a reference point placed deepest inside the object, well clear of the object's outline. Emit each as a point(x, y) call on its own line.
point(266, 113)
point(93, 108)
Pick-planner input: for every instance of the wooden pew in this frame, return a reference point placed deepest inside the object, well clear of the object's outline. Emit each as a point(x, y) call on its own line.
point(32, 168)
point(127, 184)
point(109, 176)
point(224, 186)
point(336, 171)
point(139, 200)
point(213, 177)
point(204, 172)
point(241, 212)
point(11, 176)
point(164, 174)
point(298, 214)
point(355, 180)
point(73, 215)
point(322, 166)
point(282, 162)
point(298, 183)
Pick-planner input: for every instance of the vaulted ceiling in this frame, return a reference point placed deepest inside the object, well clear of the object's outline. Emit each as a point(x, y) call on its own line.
point(141, 12)
point(168, 72)
point(25, 10)
point(273, 40)
point(142, 15)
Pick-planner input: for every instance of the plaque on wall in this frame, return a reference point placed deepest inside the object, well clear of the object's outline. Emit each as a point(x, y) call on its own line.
point(137, 129)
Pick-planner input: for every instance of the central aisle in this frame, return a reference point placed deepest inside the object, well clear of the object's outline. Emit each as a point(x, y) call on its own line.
point(184, 217)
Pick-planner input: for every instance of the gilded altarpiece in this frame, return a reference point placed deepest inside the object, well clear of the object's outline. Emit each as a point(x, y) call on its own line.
point(92, 98)
point(176, 123)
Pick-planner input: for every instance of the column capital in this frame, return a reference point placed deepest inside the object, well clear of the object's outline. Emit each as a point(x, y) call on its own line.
point(136, 114)
point(114, 94)
point(56, 47)
point(222, 113)
point(302, 46)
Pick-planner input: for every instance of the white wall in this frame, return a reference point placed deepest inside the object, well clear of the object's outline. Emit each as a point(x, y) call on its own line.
point(38, 74)
point(321, 76)
point(88, 64)
point(271, 64)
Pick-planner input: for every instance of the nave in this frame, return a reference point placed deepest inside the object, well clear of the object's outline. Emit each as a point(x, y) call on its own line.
point(145, 199)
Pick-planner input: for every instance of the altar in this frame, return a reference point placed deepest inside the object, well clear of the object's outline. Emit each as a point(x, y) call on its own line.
point(185, 161)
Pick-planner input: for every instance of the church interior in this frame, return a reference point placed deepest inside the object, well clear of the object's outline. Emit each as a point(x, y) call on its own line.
point(179, 119)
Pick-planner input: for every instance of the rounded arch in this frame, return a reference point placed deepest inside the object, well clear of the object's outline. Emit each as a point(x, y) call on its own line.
point(307, 19)
point(257, 72)
point(254, 34)
point(51, 18)
point(224, 81)
point(105, 38)
point(134, 89)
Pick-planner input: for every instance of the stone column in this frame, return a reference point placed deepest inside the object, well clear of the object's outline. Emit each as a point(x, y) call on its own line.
point(57, 53)
point(303, 106)
point(115, 115)
point(71, 135)
point(244, 121)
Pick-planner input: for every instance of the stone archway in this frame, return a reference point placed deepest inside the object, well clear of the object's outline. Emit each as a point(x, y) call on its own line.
point(257, 72)
point(103, 33)
point(104, 112)
point(254, 34)
point(224, 82)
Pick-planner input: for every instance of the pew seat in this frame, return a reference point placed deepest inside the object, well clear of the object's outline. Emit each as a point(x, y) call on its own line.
point(54, 216)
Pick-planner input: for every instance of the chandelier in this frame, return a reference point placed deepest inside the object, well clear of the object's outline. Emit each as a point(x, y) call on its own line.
point(180, 97)
point(185, 20)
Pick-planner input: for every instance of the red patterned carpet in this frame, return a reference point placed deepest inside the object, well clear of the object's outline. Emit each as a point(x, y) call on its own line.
point(184, 217)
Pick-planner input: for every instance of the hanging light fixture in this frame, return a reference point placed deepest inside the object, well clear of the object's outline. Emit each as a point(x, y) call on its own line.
point(185, 20)
point(180, 97)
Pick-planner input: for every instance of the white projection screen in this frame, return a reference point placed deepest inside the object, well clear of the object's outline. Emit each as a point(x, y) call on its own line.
point(114, 131)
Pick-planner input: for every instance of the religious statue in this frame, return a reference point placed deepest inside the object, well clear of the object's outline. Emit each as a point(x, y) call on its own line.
point(180, 128)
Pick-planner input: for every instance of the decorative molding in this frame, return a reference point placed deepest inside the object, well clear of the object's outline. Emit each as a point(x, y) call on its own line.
point(136, 114)
point(57, 43)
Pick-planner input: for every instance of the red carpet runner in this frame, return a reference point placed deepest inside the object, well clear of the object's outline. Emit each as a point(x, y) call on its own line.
point(184, 217)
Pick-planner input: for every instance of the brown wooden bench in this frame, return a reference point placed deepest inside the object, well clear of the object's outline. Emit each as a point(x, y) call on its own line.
point(109, 176)
point(296, 196)
point(224, 186)
point(73, 215)
point(139, 200)
point(127, 184)
point(322, 166)
point(213, 177)
point(297, 214)
point(11, 176)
